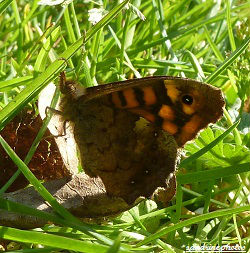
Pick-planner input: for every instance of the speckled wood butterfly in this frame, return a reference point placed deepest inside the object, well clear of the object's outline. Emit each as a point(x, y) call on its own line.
point(128, 132)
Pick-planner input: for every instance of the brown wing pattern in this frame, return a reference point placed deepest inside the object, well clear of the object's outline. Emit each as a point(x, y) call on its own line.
point(182, 107)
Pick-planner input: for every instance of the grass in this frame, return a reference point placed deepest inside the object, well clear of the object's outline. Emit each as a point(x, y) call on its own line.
point(206, 41)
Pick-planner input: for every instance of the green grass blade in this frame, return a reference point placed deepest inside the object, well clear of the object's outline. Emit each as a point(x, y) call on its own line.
point(4, 5)
point(228, 61)
point(15, 82)
point(194, 220)
point(196, 65)
point(229, 26)
point(213, 45)
point(56, 241)
point(19, 208)
point(204, 176)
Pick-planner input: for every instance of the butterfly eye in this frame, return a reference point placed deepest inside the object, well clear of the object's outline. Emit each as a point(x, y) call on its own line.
point(187, 99)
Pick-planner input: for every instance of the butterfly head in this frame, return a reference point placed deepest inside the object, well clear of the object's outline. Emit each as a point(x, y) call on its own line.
point(70, 88)
point(195, 105)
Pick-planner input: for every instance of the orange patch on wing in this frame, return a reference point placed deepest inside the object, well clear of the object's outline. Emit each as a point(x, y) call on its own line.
point(169, 127)
point(116, 100)
point(188, 109)
point(143, 113)
point(193, 125)
point(172, 90)
point(149, 96)
point(166, 112)
point(130, 98)
point(189, 130)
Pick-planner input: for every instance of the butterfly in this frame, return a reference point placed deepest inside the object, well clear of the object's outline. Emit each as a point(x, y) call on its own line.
point(128, 132)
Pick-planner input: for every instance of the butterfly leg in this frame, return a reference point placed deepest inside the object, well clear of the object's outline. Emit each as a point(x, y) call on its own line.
point(64, 59)
point(64, 130)
point(47, 109)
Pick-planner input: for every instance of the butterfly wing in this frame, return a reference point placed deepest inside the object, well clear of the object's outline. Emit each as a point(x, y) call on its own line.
point(182, 107)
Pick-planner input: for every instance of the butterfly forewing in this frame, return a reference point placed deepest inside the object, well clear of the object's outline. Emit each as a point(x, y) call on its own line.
point(179, 106)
